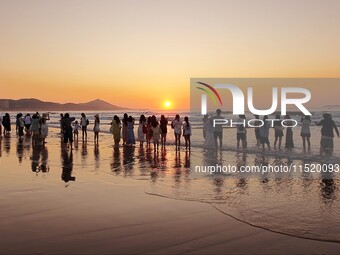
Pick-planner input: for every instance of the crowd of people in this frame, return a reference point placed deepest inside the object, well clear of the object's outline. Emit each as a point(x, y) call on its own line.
point(150, 129)
point(213, 134)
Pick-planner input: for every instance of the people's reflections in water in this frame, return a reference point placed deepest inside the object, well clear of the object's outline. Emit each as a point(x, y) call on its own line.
point(96, 157)
point(84, 149)
point(241, 181)
point(328, 188)
point(39, 159)
point(7, 143)
point(264, 179)
point(67, 166)
point(20, 150)
point(128, 159)
point(307, 179)
point(187, 160)
point(116, 165)
point(178, 163)
point(218, 182)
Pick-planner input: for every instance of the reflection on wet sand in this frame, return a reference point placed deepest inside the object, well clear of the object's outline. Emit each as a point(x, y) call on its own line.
point(67, 165)
point(39, 159)
point(252, 198)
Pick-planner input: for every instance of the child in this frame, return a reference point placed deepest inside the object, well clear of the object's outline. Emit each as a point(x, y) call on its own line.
point(76, 130)
point(156, 132)
point(187, 133)
point(141, 130)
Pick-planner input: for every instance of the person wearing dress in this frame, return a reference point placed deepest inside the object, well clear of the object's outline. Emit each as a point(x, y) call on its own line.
point(116, 128)
point(130, 132)
point(6, 122)
point(35, 128)
point(156, 132)
point(44, 127)
point(124, 128)
point(141, 130)
point(289, 134)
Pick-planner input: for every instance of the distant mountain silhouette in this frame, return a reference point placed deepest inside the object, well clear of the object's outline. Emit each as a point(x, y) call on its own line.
point(33, 104)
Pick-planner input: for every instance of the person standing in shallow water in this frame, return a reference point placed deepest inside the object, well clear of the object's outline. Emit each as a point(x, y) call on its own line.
point(141, 130)
point(278, 131)
point(264, 132)
point(257, 123)
point(218, 129)
point(130, 131)
point(156, 131)
point(176, 124)
point(289, 134)
point(116, 128)
point(124, 128)
point(67, 129)
point(96, 129)
point(6, 122)
point(187, 133)
point(84, 122)
point(327, 134)
point(164, 129)
point(305, 131)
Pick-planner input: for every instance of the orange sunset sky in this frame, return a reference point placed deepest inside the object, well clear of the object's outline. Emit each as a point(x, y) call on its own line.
point(140, 54)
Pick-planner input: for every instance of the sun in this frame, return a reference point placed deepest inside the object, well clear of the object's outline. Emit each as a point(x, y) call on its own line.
point(167, 104)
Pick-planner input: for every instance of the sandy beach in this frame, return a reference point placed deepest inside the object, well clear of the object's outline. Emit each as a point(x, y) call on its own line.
point(110, 209)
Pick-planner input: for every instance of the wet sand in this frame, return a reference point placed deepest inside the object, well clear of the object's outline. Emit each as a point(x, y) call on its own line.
point(105, 213)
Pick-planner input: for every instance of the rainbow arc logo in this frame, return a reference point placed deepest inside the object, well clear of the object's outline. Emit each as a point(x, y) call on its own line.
point(211, 92)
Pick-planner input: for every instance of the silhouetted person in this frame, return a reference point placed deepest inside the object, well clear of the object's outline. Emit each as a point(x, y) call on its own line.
point(84, 122)
point(305, 131)
point(67, 166)
point(67, 129)
point(176, 125)
point(327, 134)
point(164, 129)
point(289, 134)
point(187, 133)
point(257, 123)
point(218, 129)
point(241, 133)
point(278, 131)
point(264, 132)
